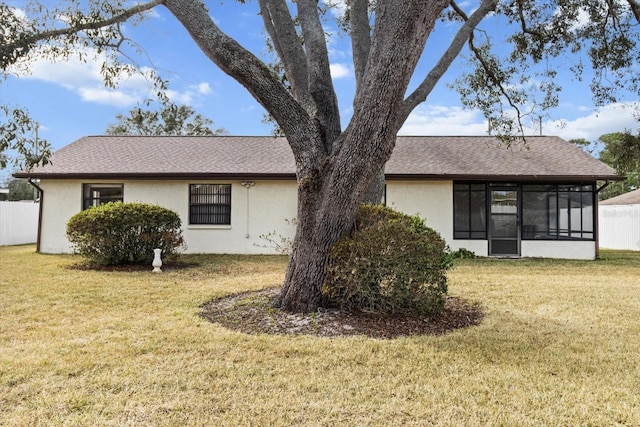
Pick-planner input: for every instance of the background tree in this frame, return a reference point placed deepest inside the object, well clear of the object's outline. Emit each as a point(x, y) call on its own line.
point(171, 119)
point(19, 189)
point(621, 151)
point(20, 145)
point(585, 145)
point(337, 163)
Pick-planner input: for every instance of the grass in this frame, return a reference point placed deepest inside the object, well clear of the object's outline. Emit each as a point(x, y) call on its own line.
point(559, 345)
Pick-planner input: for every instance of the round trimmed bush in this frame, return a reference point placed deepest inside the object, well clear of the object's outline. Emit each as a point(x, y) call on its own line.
point(125, 233)
point(390, 263)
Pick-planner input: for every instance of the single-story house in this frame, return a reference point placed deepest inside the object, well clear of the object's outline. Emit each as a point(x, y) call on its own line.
point(619, 223)
point(537, 199)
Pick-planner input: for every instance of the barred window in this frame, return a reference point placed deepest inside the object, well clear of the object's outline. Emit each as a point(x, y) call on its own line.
point(94, 195)
point(210, 204)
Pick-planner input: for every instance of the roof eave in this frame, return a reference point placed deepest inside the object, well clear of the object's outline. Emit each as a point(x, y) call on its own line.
point(287, 176)
point(505, 178)
point(158, 176)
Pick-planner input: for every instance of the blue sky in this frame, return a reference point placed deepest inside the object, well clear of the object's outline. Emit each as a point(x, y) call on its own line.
point(70, 101)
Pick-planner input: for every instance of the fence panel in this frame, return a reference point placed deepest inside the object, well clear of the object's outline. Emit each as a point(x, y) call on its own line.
point(620, 227)
point(18, 223)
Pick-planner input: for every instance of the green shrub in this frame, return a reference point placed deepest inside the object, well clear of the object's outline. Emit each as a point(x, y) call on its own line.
point(463, 253)
point(390, 263)
point(125, 233)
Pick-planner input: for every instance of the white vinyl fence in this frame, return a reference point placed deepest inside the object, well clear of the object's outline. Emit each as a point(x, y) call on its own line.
point(620, 227)
point(18, 223)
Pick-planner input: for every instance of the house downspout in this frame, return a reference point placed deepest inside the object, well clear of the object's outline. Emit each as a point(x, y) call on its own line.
point(41, 195)
point(597, 215)
point(247, 185)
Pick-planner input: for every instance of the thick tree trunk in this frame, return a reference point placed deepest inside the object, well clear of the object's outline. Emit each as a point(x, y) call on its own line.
point(375, 193)
point(323, 217)
point(329, 196)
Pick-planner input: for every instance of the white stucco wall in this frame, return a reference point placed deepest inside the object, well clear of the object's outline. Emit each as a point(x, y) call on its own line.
point(562, 249)
point(432, 200)
point(60, 201)
point(265, 208)
point(268, 205)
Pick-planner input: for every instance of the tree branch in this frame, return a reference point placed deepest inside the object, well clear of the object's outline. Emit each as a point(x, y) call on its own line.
point(320, 83)
point(496, 82)
point(251, 73)
point(464, 34)
point(523, 23)
point(635, 9)
point(360, 37)
point(26, 41)
point(281, 29)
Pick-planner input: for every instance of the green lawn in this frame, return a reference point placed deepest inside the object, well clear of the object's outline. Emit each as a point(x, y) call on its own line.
point(559, 346)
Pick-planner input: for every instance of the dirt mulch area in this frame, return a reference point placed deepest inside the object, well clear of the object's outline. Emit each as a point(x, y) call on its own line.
point(253, 313)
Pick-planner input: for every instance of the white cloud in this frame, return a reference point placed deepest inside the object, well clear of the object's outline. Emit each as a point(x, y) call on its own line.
point(84, 79)
point(582, 19)
point(339, 71)
point(608, 119)
point(440, 120)
point(590, 125)
point(338, 7)
point(71, 74)
point(106, 96)
point(204, 88)
point(191, 94)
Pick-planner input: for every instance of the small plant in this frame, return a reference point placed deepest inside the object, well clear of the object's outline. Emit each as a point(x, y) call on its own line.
point(463, 253)
point(390, 263)
point(125, 233)
point(281, 244)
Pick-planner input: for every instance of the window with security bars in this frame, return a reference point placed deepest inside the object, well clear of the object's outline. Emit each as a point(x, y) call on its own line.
point(94, 195)
point(210, 204)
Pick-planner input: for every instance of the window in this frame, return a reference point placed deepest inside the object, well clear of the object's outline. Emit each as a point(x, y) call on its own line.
point(557, 212)
point(97, 194)
point(469, 211)
point(210, 204)
point(547, 211)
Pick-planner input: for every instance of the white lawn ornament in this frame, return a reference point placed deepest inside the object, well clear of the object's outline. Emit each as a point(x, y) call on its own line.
point(157, 262)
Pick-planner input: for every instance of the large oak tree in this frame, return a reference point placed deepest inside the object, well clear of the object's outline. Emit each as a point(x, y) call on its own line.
point(338, 163)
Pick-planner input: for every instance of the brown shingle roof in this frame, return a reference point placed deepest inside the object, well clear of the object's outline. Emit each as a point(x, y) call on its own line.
point(630, 198)
point(426, 157)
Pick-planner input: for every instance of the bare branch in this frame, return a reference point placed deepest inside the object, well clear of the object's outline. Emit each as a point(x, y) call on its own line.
point(464, 34)
point(252, 73)
point(360, 37)
point(320, 83)
point(281, 29)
